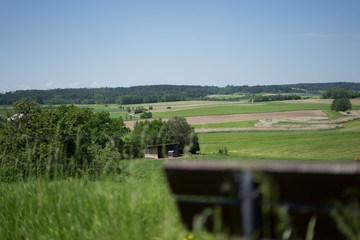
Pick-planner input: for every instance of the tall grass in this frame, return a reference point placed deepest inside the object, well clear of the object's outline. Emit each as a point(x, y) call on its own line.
point(139, 206)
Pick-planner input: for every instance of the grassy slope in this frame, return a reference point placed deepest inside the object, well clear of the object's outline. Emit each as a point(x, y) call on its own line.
point(139, 208)
point(333, 115)
point(341, 146)
point(352, 125)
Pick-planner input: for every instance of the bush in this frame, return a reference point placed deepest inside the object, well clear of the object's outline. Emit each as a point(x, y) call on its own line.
point(139, 110)
point(33, 140)
point(146, 115)
point(223, 151)
point(342, 105)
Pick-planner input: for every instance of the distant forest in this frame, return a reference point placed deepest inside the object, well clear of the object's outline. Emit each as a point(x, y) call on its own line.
point(159, 93)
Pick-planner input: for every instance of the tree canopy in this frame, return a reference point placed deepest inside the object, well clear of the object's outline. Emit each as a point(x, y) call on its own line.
point(158, 93)
point(32, 139)
point(341, 105)
point(338, 93)
point(175, 130)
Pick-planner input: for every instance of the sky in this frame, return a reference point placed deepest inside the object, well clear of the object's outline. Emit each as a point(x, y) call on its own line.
point(48, 44)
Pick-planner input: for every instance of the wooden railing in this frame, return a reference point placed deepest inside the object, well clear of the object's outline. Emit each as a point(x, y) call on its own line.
point(304, 189)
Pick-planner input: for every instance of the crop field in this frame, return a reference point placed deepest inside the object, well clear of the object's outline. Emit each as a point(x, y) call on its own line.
point(244, 124)
point(352, 125)
point(212, 108)
point(137, 203)
point(326, 146)
point(225, 96)
point(243, 109)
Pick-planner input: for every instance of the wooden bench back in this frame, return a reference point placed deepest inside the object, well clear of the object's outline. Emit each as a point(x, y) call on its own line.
point(305, 189)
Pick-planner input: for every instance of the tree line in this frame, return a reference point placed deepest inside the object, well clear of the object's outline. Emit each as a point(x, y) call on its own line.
point(339, 93)
point(273, 98)
point(33, 139)
point(157, 93)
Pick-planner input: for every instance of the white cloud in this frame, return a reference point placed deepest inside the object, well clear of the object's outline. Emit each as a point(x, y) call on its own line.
point(93, 84)
point(49, 84)
point(74, 84)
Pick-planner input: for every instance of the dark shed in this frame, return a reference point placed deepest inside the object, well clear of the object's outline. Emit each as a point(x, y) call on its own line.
point(162, 151)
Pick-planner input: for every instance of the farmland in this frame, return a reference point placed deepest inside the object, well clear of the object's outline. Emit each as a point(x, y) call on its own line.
point(243, 124)
point(293, 136)
point(135, 202)
point(228, 118)
point(325, 146)
point(243, 109)
point(252, 130)
point(120, 119)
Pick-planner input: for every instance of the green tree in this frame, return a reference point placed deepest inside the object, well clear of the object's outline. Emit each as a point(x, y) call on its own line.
point(146, 115)
point(342, 105)
point(25, 140)
point(32, 137)
point(336, 93)
point(175, 130)
point(98, 98)
point(178, 130)
point(105, 129)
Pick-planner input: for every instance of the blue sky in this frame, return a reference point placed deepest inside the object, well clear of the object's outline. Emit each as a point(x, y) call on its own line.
point(84, 43)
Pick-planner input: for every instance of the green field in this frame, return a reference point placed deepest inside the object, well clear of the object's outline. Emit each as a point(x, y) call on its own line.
point(101, 107)
point(214, 108)
point(352, 125)
point(244, 108)
point(245, 124)
point(137, 207)
point(333, 115)
point(137, 203)
point(113, 109)
point(225, 96)
point(326, 146)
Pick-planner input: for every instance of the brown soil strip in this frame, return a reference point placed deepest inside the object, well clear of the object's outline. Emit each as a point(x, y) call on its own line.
point(244, 117)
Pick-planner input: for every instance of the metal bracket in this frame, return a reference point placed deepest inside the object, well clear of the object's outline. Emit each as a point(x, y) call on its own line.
point(250, 205)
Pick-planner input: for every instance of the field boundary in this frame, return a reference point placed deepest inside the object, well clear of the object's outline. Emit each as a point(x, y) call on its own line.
point(274, 129)
point(199, 120)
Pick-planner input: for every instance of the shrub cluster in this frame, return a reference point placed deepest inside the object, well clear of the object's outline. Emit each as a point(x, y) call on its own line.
point(35, 140)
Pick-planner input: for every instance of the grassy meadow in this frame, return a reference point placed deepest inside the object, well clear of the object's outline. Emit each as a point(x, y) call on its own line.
point(138, 204)
point(225, 96)
point(243, 109)
point(210, 108)
point(137, 207)
point(324, 146)
point(113, 109)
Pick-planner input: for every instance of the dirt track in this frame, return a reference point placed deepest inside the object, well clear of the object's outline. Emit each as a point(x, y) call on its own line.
point(245, 117)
